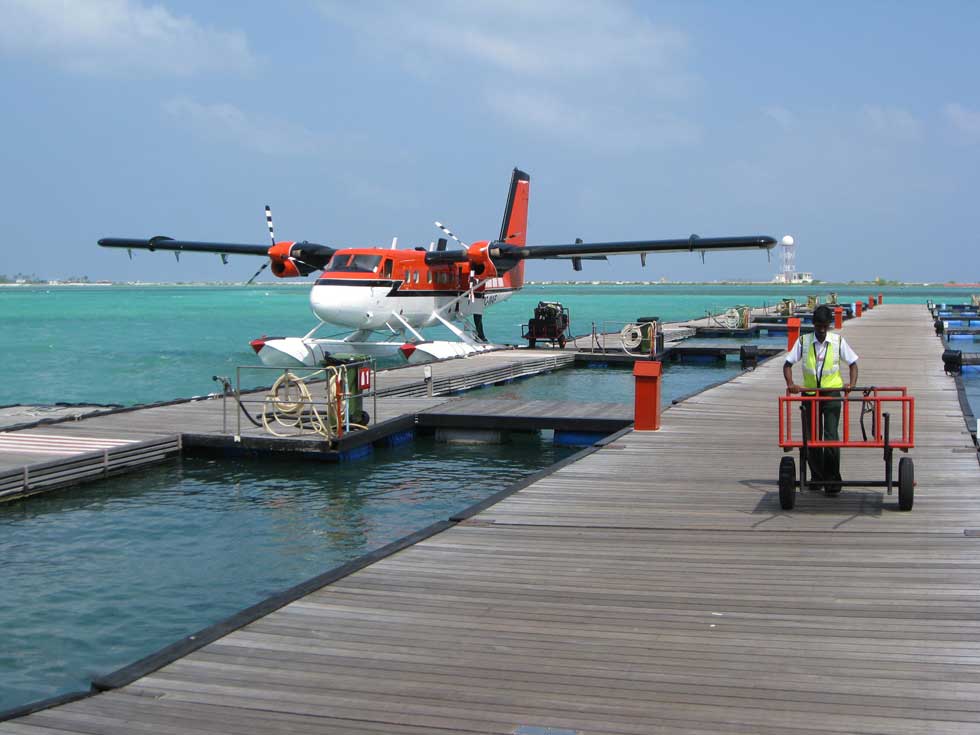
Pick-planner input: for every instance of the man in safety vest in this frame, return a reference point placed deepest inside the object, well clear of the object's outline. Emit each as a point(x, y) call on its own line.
point(821, 354)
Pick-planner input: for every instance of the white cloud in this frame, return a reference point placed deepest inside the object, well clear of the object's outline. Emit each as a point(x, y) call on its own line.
point(605, 129)
point(966, 122)
point(227, 123)
point(118, 38)
point(543, 38)
point(783, 117)
point(890, 122)
point(591, 63)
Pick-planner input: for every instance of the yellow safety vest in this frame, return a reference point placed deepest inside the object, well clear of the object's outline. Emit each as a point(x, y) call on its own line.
point(828, 374)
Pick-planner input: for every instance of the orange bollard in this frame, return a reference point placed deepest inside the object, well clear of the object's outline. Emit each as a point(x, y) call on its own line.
point(838, 317)
point(880, 300)
point(792, 332)
point(646, 403)
point(857, 308)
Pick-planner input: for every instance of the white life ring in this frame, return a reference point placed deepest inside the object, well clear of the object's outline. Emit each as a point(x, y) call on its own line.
point(631, 336)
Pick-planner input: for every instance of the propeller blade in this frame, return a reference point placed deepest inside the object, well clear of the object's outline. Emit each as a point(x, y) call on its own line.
point(261, 268)
point(268, 221)
point(446, 230)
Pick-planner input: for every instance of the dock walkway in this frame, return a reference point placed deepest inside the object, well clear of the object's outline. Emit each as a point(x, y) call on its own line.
point(652, 586)
point(71, 445)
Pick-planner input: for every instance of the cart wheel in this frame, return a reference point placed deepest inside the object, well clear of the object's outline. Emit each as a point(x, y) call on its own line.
point(906, 483)
point(561, 342)
point(530, 343)
point(787, 483)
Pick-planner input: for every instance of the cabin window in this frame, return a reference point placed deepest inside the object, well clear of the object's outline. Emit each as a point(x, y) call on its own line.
point(386, 268)
point(415, 277)
point(406, 278)
point(354, 263)
point(428, 276)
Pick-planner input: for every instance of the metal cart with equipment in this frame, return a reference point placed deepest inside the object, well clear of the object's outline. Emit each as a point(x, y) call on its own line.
point(550, 323)
point(883, 406)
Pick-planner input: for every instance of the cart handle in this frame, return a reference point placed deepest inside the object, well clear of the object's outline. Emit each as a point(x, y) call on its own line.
point(866, 391)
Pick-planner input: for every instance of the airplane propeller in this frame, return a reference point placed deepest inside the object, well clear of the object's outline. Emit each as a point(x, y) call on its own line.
point(258, 272)
point(446, 230)
point(272, 236)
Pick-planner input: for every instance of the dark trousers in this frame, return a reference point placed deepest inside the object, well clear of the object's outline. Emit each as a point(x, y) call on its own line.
point(824, 463)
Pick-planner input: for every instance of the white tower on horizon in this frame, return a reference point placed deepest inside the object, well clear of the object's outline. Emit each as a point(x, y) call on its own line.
point(789, 259)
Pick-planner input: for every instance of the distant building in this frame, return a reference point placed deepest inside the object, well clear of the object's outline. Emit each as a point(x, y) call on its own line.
point(794, 277)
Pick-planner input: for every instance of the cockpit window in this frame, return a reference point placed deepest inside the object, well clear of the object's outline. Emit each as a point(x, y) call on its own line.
point(345, 263)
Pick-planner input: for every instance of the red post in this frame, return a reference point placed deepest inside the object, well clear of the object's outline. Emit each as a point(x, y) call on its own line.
point(871, 302)
point(838, 317)
point(792, 332)
point(857, 308)
point(880, 300)
point(646, 406)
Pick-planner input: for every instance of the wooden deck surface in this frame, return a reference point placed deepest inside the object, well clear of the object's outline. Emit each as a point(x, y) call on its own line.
point(653, 586)
point(402, 392)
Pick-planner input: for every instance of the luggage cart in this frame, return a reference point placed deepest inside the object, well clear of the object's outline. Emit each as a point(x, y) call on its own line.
point(876, 403)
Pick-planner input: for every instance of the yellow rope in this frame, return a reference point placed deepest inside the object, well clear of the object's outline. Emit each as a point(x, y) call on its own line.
point(288, 398)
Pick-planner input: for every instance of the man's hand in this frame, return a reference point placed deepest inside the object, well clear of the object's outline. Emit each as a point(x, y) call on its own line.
point(793, 388)
point(847, 388)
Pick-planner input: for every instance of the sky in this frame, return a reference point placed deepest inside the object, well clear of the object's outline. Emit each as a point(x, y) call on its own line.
point(855, 127)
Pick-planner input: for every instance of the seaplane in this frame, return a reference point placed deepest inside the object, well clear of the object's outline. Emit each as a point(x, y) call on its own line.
point(388, 296)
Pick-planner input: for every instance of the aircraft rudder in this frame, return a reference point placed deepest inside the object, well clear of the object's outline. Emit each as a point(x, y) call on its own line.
point(513, 229)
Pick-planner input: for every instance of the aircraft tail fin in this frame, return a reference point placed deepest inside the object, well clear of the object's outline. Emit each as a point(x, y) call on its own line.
point(513, 230)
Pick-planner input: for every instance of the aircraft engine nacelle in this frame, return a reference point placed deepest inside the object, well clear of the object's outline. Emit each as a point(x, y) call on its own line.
point(282, 265)
point(292, 259)
point(480, 263)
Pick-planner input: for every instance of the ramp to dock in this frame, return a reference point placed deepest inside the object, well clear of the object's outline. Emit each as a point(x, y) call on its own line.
point(653, 586)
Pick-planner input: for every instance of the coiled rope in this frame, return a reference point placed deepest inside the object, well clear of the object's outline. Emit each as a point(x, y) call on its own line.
point(289, 405)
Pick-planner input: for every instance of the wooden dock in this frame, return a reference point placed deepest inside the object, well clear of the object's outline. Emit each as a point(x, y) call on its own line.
point(652, 586)
point(67, 446)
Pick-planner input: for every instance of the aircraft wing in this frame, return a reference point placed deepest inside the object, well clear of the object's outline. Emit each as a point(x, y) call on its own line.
point(288, 258)
point(168, 243)
point(692, 244)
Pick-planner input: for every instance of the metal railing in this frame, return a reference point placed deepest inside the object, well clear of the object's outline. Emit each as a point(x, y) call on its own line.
point(303, 401)
point(614, 330)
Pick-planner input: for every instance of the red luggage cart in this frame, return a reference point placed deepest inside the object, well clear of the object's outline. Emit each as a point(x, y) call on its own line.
point(882, 406)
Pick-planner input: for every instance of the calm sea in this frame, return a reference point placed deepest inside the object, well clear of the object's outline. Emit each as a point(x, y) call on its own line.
point(136, 344)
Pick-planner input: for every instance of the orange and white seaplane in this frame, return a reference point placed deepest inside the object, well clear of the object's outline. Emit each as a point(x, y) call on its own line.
point(388, 296)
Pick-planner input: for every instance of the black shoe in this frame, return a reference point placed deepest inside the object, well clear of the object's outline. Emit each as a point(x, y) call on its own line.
point(832, 489)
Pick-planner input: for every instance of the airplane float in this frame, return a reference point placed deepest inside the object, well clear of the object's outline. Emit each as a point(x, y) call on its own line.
point(388, 296)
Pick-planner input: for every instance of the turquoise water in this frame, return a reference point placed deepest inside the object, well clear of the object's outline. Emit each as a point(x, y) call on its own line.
point(611, 385)
point(971, 383)
point(102, 575)
point(136, 344)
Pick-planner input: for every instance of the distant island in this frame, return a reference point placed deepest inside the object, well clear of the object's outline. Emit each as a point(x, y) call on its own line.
point(22, 279)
